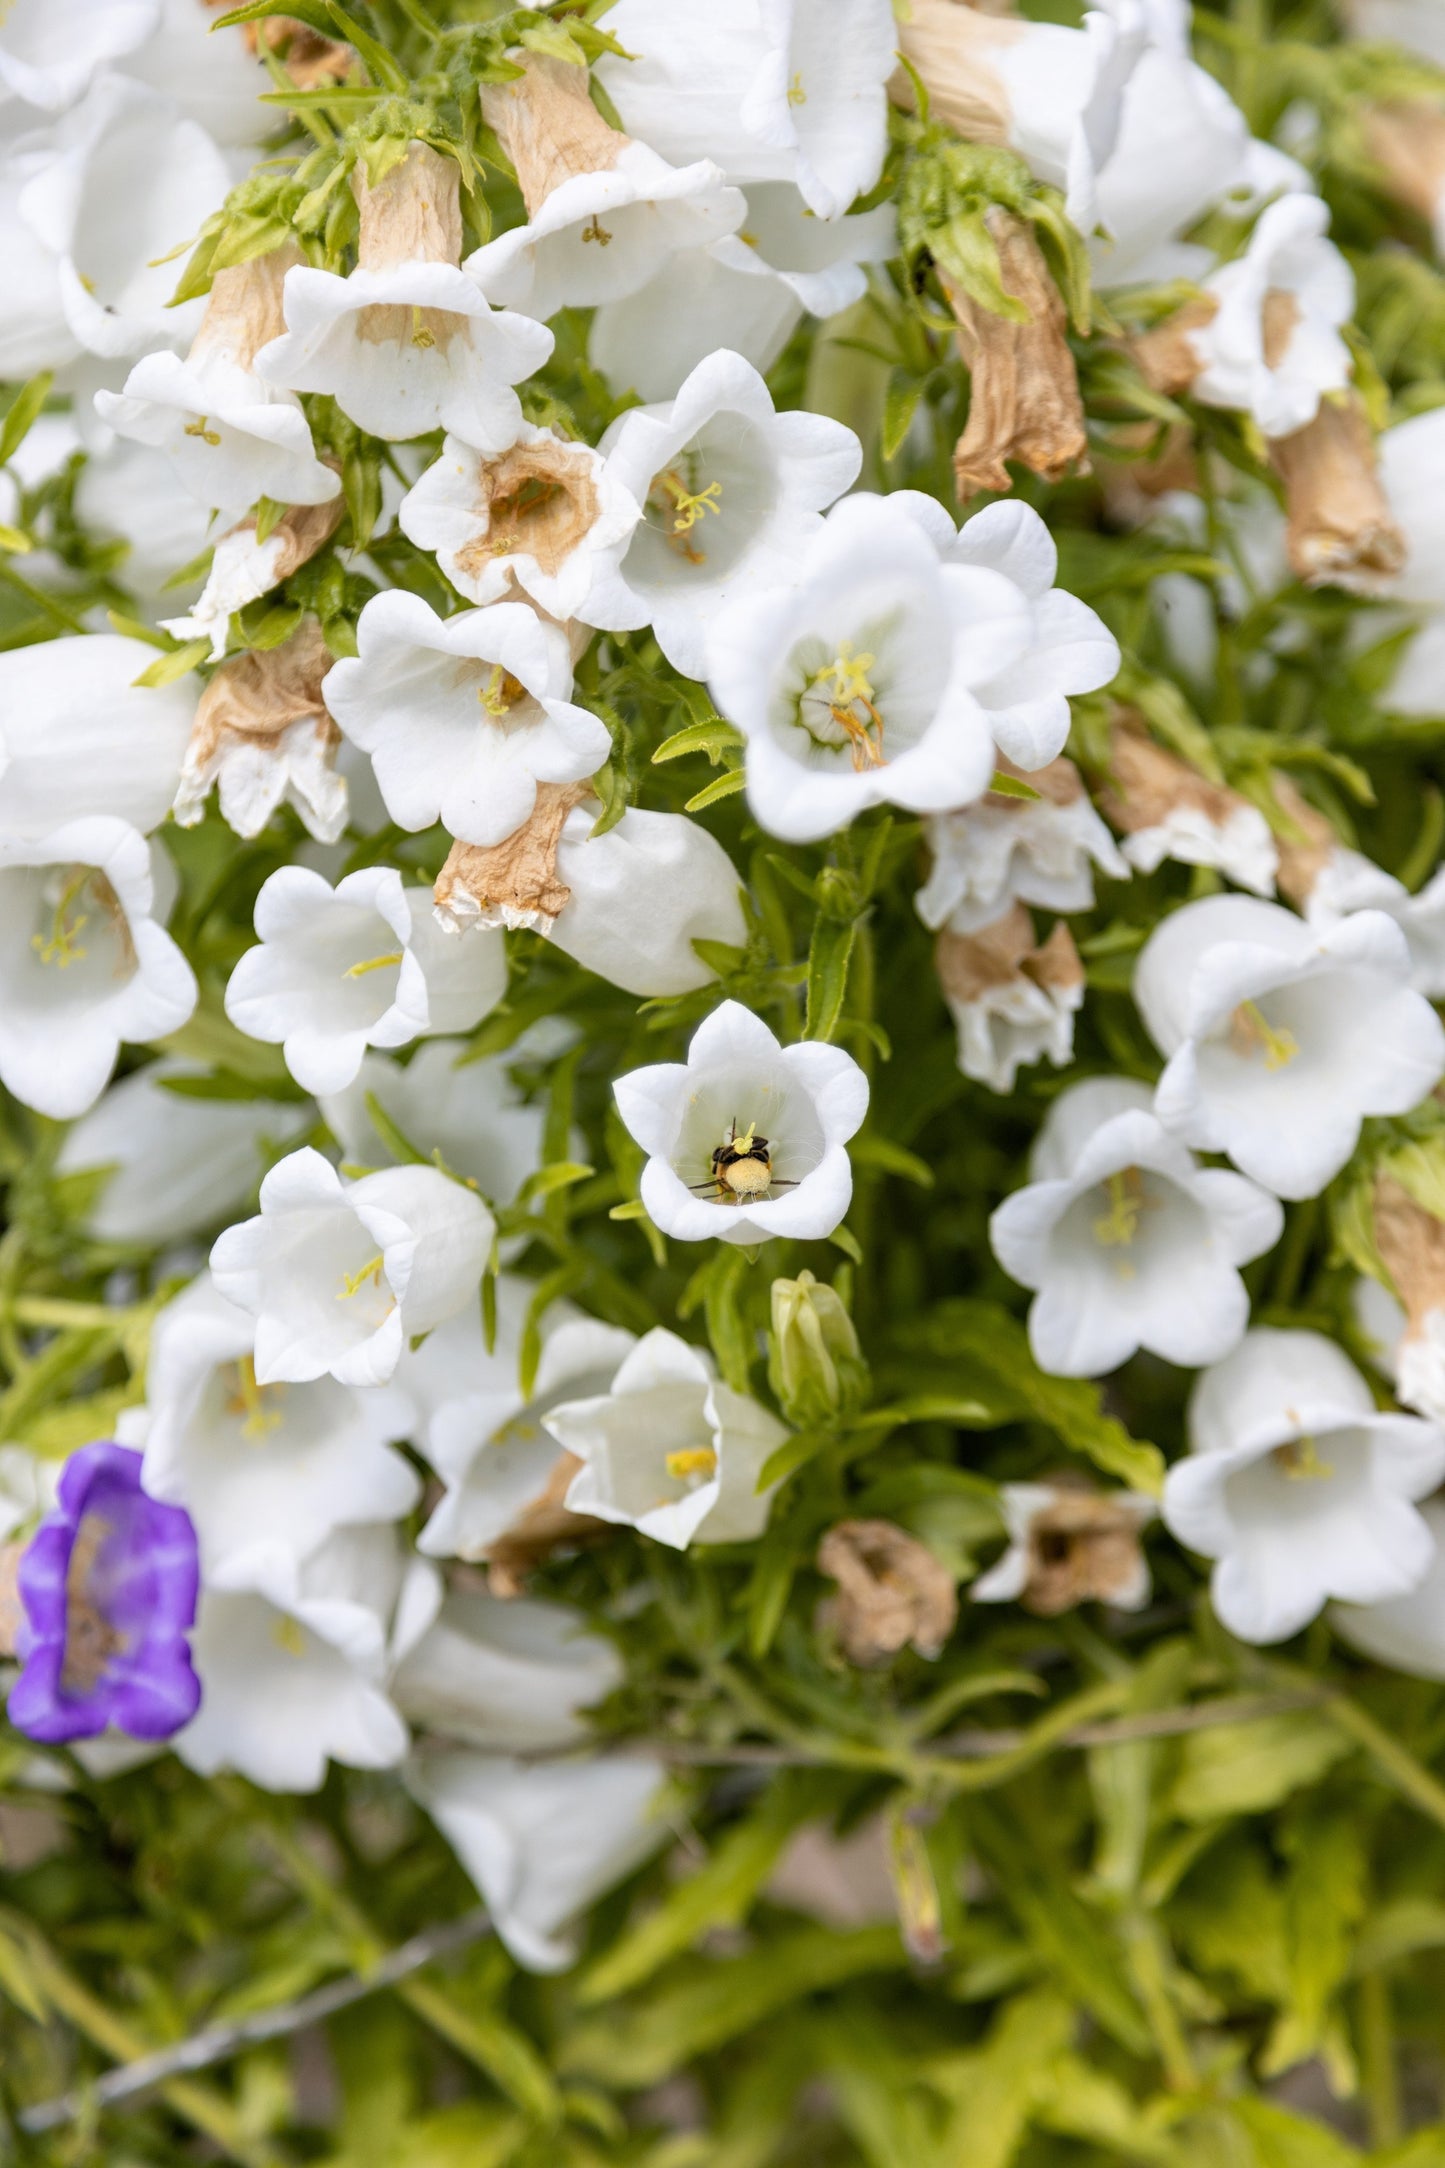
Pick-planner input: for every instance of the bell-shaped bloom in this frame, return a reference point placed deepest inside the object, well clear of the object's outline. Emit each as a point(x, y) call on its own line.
point(406, 343)
point(293, 1656)
point(339, 1275)
point(531, 518)
point(363, 964)
point(1298, 1487)
point(1126, 1240)
point(1069, 648)
point(50, 49)
point(1273, 348)
point(129, 494)
point(542, 1841)
point(858, 683)
point(1406, 1632)
point(1003, 850)
point(262, 736)
point(669, 1450)
point(463, 716)
point(1070, 1544)
point(218, 81)
point(748, 291)
point(791, 90)
point(793, 1108)
point(1279, 1038)
point(83, 964)
point(129, 184)
point(1348, 882)
point(108, 1589)
point(731, 492)
point(167, 1166)
point(229, 437)
point(260, 1466)
point(512, 1678)
point(469, 1111)
point(78, 736)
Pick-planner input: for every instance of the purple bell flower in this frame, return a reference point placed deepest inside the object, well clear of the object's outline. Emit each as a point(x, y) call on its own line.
point(108, 1586)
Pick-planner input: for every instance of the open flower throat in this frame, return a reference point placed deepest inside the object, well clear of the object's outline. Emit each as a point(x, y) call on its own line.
point(78, 907)
point(678, 504)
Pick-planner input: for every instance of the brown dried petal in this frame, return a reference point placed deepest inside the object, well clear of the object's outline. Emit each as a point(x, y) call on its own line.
point(1341, 530)
point(1305, 848)
point(1147, 783)
point(309, 58)
point(413, 215)
point(12, 1611)
point(1412, 1243)
point(544, 1525)
point(1406, 140)
point(245, 311)
point(953, 48)
point(1167, 358)
point(548, 126)
point(1024, 399)
point(258, 695)
point(539, 500)
point(892, 1592)
point(973, 965)
point(517, 877)
point(1083, 1547)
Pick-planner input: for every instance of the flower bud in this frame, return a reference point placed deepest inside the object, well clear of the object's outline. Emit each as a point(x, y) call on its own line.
point(815, 1365)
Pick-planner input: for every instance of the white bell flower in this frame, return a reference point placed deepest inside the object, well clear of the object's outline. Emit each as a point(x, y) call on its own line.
point(1273, 347)
point(532, 517)
point(463, 716)
point(1299, 1488)
point(217, 81)
point(171, 1166)
point(1406, 1632)
point(748, 291)
point(1348, 881)
point(406, 343)
point(467, 1110)
point(51, 49)
point(363, 964)
point(1013, 998)
point(1280, 1038)
point(542, 1841)
point(130, 184)
point(857, 684)
point(730, 491)
point(1001, 850)
point(260, 1467)
point(79, 737)
point(292, 1655)
point(669, 1450)
point(511, 1678)
point(1127, 1241)
point(83, 963)
point(474, 1427)
point(747, 1138)
point(35, 334)
point(791, 90)
point(1069, 647)
point(340, 1275)
point(129, 493)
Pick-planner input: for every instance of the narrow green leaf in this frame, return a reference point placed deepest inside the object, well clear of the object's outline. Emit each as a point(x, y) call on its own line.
point(167, 669)
point(23, 411)
point(829, 954)
point(900, 404)
point(713, 737)
point(722, 786)
point(1013, 786)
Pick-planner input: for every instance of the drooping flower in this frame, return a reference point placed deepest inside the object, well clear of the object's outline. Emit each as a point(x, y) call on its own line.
point(1272, 348)
point(406, 343)
point(730, 491)
point(747, 1138)
point(512, 1678)
point(531, 518)
point(1298, 1487)
point(1340, 530)
point(83, 964)
point(363, 964)
point(858, 684)
point(263, 737)
point(1406, 1632)
point(1004, 850)
point(78, 736)
point(1166, 809)
point(669, 1450)
point(1126, 1240)
point(442, 1102)
point(339, 1275)
point(1279, 1038)
point(108, 1587)
point(260, 1466)
point(463, 716)
point(51, 49)
point(1012, 998)
point(1070, 1544)
point(892, 1593)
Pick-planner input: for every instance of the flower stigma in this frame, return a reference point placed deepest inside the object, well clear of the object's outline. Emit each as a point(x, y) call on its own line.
point(796, 93)
point(1301, 1462)
point(596, 231)
point(692, 1464)
point(198, 428)
point(851, 706)
point(288, 1636)
point(353, 1282)
point(421, 334)
point(372, 963)
point(1117, 1228)
point(249, 1400)
point(1250, 1028)
point(683, 509)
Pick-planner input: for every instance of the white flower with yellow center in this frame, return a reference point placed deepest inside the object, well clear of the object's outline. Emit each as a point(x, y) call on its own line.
point(363, 964)
point(83, 964)
point(339, 1275)
point(1273, 348)
point(463, 716)
point(747, 1138)
point(669, 1450)
point(730, 490)
point(1279, 1038)
point(858, 683)
point(1299, 1488)
point(1126, 1240)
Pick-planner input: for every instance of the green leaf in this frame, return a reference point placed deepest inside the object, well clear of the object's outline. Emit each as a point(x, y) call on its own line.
point(722, 786)
point(900, 404)
point(23, 411)
point(562, 1174)
point(167, 669)
point(829, 954)
point(1013, 786)
point(871, 1150)
point(1249, 1768)
point(713, 737)
point(15, 540)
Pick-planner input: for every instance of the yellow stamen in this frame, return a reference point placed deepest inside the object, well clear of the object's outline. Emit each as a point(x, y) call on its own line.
point(288, 1635)
point(249, 1399)
point(61, 946)
point(1250, 1028)
point(692, 1460)
point(684, 508)
point(198, 428)
point(353, 1282)
point(372, 963)
point(796, 93)
point(1116, 1228)
point(687, 511)
point(500, 690)
point(420, 335)
point(846, 678)
point(749, 240)
point(1301, 1462)
point(596, 231)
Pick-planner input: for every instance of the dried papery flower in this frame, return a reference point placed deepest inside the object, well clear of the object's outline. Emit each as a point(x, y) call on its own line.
point(1024, 399)
point(1305, 846)
point(513, 883)
point(244, 308)
point(892, 1592)
point(1166, 809)
point(1406, 140)
point(544, 1526)
point(1341, 530)
point(309, 58)
point(12, 1611)
point(549, 127)
point(1412, 1243)
point(243, 568)
point(262, 734)
point(1013, 1000)
point(1167, 357)
point(1070, 1544)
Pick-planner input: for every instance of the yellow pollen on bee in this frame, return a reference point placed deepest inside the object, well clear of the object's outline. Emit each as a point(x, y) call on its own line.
point(287, 1634)
point(420, 334)
point(61, 946)
point(198, 428)
point(1301, 1462)
point(596, 231)
point(846, 680)
point(353, 1282)
point(699, 1460)
point(748, 1177)
point(249, 1399)
point(372, 963)
point(1250, 1029)
point(796, 93)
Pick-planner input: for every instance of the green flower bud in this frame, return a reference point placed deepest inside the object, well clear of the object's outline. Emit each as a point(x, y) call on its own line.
point(815, 1365)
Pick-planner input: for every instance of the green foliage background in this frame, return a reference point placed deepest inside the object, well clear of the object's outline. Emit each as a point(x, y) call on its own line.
point(1169, 1900)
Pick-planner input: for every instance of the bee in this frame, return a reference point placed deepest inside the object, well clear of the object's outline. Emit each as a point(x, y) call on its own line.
point(742, 1168)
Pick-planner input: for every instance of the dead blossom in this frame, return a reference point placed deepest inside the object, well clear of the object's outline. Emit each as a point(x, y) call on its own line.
point(1412, 1243)
point(544, 1526)
point(515, 881)
point(953, 48)
point(1166, 356)
point(549, 127)
point(1082, 1546)
point(1341, 531)
point(1024, 401)
point(244, 311)
point(972, 965)
point(892, 1592)
point(1304, 840)
point(1406, 140)
point(412, 214)
point(260, 694)
point(12, 1611)
point(539, 500)
point(1147, 784)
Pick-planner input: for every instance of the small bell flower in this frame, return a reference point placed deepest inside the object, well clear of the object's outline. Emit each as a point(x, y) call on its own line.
point(1273, 349)
point(510, 1678)
point(1406, 1633)
point(1000, 851)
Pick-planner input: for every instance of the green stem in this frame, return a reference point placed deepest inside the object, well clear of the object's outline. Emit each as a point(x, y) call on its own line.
point(1377, 2056)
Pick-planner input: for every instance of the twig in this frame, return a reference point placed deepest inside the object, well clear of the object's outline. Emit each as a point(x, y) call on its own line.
point(219, 2042)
